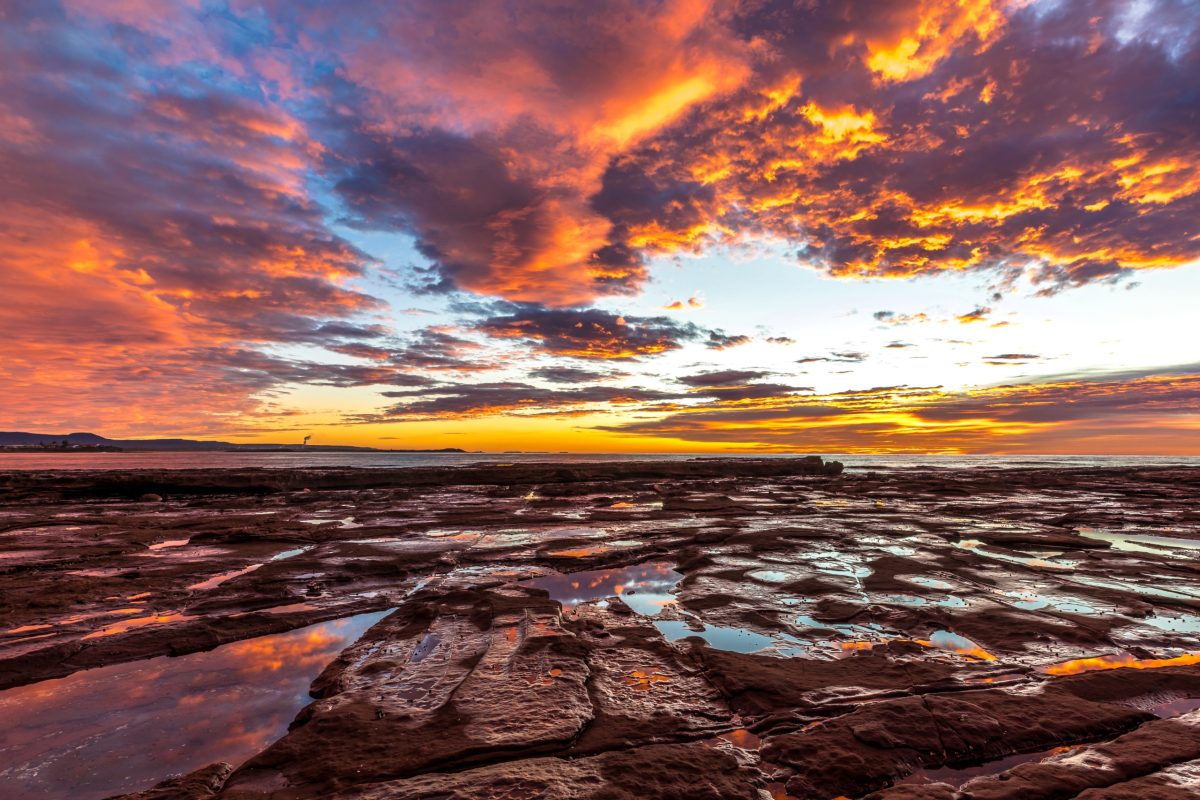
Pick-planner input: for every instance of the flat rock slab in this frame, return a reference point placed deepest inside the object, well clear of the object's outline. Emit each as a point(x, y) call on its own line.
point(850, 629)
point(880, 742)
point(654, 772)
point(437, 684)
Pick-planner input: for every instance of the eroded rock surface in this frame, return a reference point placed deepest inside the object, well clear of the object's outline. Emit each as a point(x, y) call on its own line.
point(705, 629)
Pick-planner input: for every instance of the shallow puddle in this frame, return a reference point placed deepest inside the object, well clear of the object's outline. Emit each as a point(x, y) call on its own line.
point(916, 601)
point(1149, 590)
point(737, 640)
point(130, 623)
point(222, 577)
point(1145, 543)
point(928, 583)
point(1173, 708)
point(646, 588)
point(1036, 561)
point(169, 543)
point(582, 552)
point(643, 681)
point(954, 643)
point(772, 576)
point(1181, 623)
point(1034, 601)
point(218, 579)
point(1119, 661)
point(125, 727)
point(957, 776)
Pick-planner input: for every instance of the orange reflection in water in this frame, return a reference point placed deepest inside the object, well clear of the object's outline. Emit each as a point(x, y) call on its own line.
point(135, 622)
point(641, 681)
point(939, 640)
point(740, 737)
point(580, 553)
point(125, 727)
point(646, 588)
point(1124, 661)
point(952, 642)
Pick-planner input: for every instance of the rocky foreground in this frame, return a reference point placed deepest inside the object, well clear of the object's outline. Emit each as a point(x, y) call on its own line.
point(704, 629)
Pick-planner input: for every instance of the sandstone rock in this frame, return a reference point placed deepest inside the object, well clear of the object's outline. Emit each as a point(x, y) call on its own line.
point(444, 680)
point(880, 742)
point(656, 772)
point(204, 782)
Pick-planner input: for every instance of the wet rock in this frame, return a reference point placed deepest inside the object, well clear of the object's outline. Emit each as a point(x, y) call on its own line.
point(931, 791)
point(1135, 765)
point(1176, 782)
point(204, 782)
point(150, 497)
point(441, 682)
point(880, 742)
point(831, 609)
point(703, 502)
point(655, 772)
point(59, 659)
point(476, 687)
point(641, 691)
point(760, 684)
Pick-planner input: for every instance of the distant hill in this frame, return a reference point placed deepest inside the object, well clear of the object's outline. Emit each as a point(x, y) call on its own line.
point(22, 439)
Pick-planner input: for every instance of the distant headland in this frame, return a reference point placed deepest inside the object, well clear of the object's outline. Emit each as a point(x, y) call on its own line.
point(21, 442)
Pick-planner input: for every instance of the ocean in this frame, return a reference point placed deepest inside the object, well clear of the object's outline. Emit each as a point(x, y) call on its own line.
point(317, 458)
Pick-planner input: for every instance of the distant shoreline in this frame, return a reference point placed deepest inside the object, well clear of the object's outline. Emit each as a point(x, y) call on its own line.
point(23, 450)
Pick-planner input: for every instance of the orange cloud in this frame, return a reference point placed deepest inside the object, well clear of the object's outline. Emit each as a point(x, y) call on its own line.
point(164, 239)
point(1147, 412)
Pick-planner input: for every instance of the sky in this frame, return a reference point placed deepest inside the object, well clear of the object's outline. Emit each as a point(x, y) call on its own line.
point(672, 225)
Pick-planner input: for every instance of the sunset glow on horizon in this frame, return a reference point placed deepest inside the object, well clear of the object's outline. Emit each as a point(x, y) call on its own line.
point(929, 226)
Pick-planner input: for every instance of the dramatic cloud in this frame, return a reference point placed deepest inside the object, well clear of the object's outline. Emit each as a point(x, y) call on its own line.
point(893, 318)
point(208, 204)
point(1010, 358)
point(568, 374)
point(849, 357)
point(458, 401)
point(489, 152)
point(978, 314)
point(728, 377)
point(893, 139)
point(593, 333)
point(1099, 413)
point(718, 340)
point(589, 333)
point(152, 227)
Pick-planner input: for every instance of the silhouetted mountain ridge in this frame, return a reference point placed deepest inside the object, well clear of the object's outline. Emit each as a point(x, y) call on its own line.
point(23, 439)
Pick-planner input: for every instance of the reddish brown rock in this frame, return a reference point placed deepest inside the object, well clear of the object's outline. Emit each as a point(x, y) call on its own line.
point(204, 782)
point(760, 684)
point(880, 742)
point(442, 682)
point(654, 772)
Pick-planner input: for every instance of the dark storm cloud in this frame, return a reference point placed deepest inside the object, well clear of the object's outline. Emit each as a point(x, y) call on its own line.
point(845, 357)
point(589, 333)
point(723, 378)
point(559, 374)
point(482, 399)
point(719, 340)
